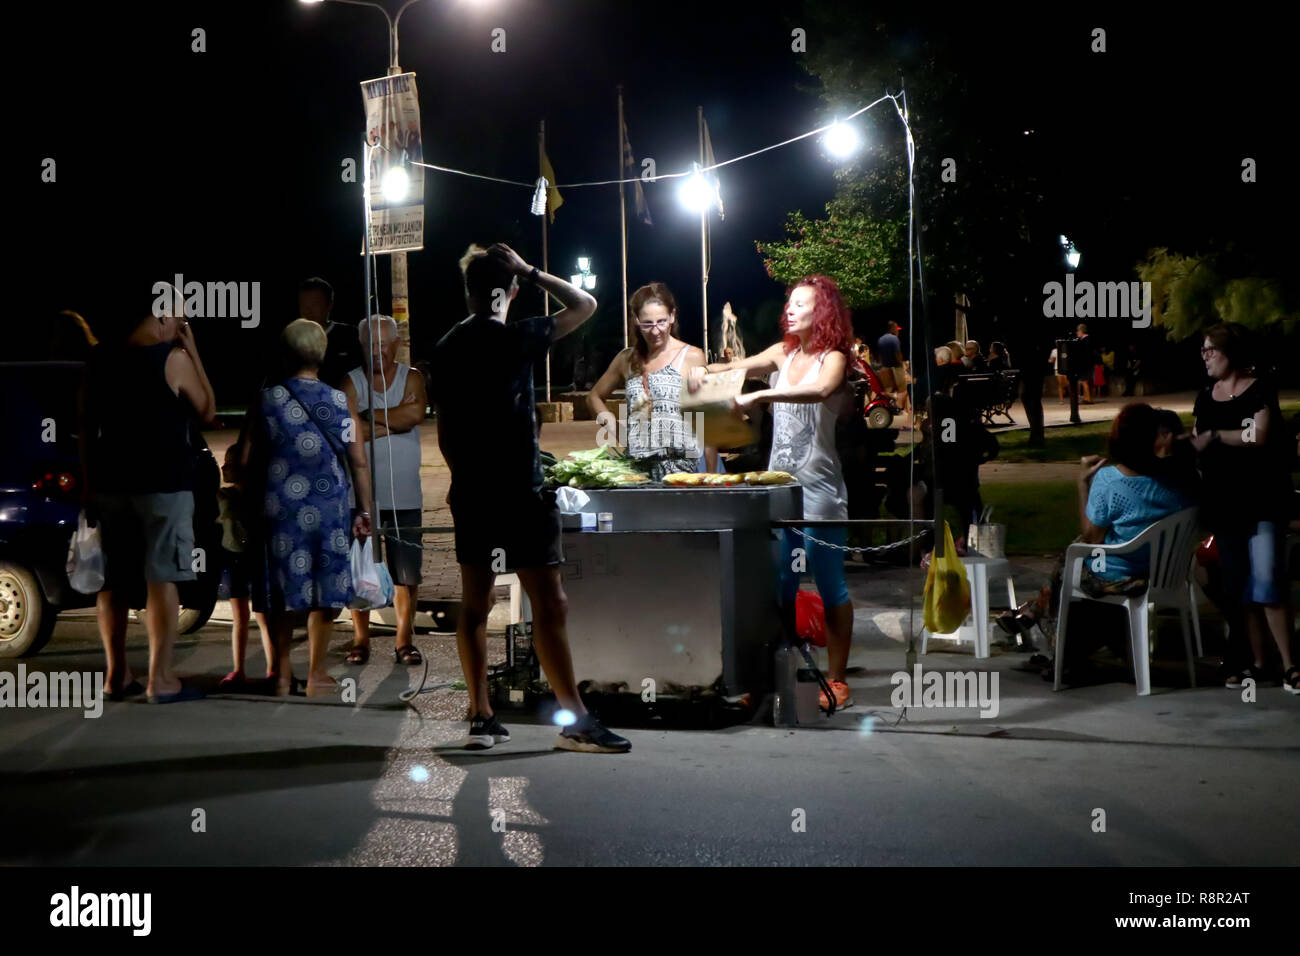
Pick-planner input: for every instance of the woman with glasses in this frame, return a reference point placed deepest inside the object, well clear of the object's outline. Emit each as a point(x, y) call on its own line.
point(1242, 448)
point(651, 372)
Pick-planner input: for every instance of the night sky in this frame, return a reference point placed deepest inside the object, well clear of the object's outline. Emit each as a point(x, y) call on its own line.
point(225, 165)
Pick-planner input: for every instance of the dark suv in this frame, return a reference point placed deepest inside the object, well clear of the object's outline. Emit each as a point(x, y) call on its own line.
point(40, 488)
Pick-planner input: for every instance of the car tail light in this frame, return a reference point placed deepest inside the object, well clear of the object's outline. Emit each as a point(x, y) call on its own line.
point(61, 484)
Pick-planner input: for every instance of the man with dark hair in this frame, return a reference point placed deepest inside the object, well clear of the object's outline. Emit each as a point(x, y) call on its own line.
point(315, 302)
point(505, 520)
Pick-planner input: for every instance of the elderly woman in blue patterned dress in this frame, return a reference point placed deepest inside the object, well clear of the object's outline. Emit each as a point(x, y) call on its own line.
point(651, 373)
point(303, 442)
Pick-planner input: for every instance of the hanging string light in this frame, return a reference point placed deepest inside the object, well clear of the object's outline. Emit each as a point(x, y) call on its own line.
point(539, 196)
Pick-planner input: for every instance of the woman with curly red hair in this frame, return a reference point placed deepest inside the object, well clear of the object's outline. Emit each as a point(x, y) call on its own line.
point(811, 391)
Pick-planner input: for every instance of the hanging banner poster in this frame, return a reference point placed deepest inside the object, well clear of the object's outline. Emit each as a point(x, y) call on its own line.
point(393, 132)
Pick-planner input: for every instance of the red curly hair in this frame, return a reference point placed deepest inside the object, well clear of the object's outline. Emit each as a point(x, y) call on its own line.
point(832, 331)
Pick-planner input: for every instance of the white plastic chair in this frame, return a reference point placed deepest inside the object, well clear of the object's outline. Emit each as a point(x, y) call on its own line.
point(1173, 541)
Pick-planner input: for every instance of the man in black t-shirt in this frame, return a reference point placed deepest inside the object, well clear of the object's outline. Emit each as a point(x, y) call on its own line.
point(343, 353)
point(482, 372)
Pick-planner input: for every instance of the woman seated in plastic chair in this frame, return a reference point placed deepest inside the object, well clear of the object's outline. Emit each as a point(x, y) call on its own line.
point(1145, 477)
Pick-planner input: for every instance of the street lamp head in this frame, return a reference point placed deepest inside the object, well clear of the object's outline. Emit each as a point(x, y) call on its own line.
point(584, 264)
point(395, 184)
point(576, 280)
point(697, 193)
point(589, 281)
point(841, 140)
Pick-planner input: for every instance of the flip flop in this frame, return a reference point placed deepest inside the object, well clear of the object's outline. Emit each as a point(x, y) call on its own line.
point(358, 654)
point(133, 689)
point(187, 693)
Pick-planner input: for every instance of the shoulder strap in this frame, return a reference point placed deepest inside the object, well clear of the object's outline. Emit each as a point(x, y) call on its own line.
point(680, 357)
point(340, 452)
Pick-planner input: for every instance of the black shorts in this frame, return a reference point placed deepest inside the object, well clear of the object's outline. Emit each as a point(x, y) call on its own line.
point(508, 533)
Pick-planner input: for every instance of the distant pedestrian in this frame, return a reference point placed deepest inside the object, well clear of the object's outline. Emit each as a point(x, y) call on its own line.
point(1132, 371)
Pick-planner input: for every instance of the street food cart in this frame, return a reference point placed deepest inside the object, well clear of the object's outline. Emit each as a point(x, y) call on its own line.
point(682, 591)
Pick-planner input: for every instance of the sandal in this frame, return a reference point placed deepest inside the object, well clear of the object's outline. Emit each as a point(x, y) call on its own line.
point(408, 654)
point(1239, 678)
point(359, 653)
point(1291, 680)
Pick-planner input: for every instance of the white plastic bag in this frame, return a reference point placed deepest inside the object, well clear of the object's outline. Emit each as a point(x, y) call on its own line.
point(85, 564)
point(370, 578)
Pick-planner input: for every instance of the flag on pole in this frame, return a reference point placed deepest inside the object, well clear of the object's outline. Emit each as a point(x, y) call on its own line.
point(629, 170)
point(710, 160)
point(553, 199)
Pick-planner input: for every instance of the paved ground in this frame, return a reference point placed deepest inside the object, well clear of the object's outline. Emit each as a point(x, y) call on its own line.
point(1184, 776)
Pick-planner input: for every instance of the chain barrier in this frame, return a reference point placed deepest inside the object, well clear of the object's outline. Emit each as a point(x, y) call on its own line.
point(876, 549)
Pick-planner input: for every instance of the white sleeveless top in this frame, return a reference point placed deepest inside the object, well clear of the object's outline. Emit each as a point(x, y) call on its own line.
point(398, 456)
point(803, 443)
point(661, 430)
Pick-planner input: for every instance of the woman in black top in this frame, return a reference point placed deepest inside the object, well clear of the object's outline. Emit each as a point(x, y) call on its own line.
point(1241, 443)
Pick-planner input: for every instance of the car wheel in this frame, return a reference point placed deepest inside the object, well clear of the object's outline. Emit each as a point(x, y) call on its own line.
point(26, 618)
point(193, 618)
point(879, 417)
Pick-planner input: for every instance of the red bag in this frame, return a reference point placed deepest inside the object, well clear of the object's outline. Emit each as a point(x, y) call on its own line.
point(1099, 376)
point(810, 617)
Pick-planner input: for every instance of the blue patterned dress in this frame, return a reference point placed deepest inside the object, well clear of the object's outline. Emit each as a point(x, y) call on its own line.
point(307, 528)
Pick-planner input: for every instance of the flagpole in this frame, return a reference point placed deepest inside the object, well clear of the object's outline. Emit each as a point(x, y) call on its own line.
point(704, 240)
point(622, 207)
point(546, 258)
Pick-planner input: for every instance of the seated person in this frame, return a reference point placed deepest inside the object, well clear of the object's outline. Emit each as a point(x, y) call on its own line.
point(1119, 497)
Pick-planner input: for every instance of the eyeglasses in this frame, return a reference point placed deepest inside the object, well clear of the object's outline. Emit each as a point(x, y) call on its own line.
point(657, 324)
point(1210, 350)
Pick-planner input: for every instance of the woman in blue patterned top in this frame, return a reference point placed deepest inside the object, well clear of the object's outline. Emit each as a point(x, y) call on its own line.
point(304, 440)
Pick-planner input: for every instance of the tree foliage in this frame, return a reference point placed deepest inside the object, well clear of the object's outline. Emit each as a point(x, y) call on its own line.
point(1190, 292)
point(866, 256)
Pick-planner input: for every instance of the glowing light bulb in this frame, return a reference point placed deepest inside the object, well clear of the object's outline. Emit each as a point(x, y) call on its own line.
point(396, 184)
point(841, 140)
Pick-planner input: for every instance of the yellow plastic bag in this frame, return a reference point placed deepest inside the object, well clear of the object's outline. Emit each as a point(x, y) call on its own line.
point(947, 592)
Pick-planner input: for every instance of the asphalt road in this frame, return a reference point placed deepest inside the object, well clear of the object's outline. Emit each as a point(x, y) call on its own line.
point(1183, 777)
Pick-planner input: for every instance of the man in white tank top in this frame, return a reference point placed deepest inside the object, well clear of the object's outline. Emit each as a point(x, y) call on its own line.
point(400, 402)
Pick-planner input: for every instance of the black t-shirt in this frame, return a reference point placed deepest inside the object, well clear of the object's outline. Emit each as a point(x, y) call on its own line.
point(342, 354)
point(1242, 484)
point(138, 428)
point(482, 378)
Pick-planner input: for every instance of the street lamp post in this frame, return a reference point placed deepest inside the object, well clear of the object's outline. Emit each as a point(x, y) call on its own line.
point(584, 278)
point(400, 300)
point(1072, 259)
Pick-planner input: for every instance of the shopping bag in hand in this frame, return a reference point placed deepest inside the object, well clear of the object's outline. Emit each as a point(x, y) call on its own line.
point(810, 617)
point(85, 565)
point(947, 593)
point(370, 578)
